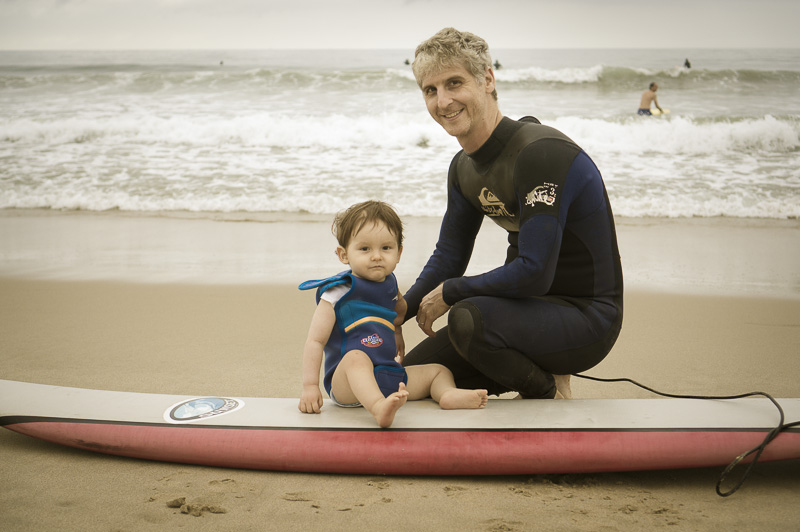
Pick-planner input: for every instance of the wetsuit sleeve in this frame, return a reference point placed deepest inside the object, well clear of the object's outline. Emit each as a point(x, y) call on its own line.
point(460, 226)
point(546, 182)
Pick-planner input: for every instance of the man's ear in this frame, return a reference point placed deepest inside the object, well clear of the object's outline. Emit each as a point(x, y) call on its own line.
point(488, 78)
point(342, 254)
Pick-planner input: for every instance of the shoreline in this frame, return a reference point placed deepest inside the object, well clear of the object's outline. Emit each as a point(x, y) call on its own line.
point(738, 256)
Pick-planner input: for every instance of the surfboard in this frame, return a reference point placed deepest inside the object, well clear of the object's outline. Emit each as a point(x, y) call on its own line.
point(656, 112)
point(506, 437)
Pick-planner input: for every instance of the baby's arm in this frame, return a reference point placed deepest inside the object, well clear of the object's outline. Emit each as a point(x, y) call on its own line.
point(318, 333)
point(400, 309)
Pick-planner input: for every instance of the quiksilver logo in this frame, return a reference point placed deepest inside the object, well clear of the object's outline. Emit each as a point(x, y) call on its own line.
point(491, 204)
point(545, 193)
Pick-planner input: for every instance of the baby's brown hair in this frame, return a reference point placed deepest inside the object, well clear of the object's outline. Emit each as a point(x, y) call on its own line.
point(350, 221)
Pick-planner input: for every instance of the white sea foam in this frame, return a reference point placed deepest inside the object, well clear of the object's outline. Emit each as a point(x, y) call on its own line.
point(152, 133)
point(563, 75)
point(269, 162)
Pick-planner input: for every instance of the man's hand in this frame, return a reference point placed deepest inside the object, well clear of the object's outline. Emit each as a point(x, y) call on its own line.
point(431, 308)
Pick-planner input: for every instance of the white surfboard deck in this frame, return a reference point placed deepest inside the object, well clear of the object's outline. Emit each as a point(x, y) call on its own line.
point(506, 437)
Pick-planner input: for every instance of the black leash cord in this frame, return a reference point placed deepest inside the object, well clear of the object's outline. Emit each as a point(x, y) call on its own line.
point(771, 435)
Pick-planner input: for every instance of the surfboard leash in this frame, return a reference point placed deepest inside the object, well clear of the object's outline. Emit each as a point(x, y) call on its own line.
point(771, 435)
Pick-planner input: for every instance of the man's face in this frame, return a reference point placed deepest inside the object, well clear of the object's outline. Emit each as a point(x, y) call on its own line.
point(461, 104)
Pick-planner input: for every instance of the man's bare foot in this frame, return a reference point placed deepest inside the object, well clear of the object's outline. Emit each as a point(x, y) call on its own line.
point(459, 398)
point(384, 410)
point(563, 390)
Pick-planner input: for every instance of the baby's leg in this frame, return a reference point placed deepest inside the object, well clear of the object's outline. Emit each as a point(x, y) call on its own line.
point(437, 381)
point(354, 381)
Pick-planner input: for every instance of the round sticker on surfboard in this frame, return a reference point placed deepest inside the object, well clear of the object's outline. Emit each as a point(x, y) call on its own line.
point(201, 408)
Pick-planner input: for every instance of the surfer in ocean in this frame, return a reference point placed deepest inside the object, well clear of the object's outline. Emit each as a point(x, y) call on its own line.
point(354, 327)
point(649, 98)
point(555, 307)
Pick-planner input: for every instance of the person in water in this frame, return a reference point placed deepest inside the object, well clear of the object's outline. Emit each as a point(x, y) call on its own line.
point(353, 326)
point(555, 306)
point(649, 98)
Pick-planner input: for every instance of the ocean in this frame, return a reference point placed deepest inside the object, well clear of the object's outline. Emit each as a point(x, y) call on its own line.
point(252, 133)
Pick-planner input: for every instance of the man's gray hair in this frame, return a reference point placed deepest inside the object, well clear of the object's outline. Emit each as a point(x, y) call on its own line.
point(452, 48)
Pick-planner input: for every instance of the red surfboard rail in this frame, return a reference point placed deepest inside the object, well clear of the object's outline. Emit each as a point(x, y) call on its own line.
point(507, 437)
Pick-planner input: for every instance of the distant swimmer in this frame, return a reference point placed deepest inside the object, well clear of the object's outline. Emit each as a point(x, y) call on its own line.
point(407, 62)
point(497, 65)
point(687, 64)
point(648, 98)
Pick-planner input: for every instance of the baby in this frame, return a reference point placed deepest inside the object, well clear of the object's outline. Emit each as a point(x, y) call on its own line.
point(357, 327)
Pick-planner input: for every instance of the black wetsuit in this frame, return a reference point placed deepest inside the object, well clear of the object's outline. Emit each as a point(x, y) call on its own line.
point(555, 306)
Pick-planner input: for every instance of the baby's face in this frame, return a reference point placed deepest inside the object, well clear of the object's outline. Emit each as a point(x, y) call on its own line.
point(373, 252)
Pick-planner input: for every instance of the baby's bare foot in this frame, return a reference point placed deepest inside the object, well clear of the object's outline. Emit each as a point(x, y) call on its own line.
point(458, 398)
point(384, 410)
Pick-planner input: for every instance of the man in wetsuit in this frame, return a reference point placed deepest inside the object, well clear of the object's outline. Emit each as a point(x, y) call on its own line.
point(555, 306)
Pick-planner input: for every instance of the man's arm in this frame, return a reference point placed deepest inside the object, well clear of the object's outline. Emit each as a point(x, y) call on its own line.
point(460, 226)
point(655, 102)
point(546, 180)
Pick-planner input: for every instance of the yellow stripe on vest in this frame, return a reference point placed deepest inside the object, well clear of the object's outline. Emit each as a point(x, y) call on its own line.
point(368, 319)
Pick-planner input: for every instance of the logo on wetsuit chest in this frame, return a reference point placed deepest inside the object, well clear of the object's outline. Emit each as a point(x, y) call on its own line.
point(545, 193)
point(491, 205)
point(373, 340)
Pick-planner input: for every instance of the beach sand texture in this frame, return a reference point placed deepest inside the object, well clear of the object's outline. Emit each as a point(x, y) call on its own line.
point(199, 333)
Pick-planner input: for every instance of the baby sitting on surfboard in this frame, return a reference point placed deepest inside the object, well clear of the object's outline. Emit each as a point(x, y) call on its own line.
point(354, 326)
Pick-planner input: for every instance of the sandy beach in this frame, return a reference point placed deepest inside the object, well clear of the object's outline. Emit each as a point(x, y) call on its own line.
point(185, 305)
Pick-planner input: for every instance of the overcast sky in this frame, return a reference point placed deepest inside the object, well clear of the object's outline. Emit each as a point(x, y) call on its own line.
point(397, 24)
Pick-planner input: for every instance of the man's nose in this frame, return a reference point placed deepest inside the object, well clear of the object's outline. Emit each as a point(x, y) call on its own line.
point(444, 99)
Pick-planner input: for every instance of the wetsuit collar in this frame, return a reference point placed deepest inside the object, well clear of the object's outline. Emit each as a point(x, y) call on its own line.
point(501, 135)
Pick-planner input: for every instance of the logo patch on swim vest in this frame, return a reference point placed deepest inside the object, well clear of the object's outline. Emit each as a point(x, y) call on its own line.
point(201, 408)
point(373, 340)
point(545, 193)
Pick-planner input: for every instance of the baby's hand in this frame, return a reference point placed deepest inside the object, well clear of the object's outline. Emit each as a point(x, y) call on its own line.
point(310, 400)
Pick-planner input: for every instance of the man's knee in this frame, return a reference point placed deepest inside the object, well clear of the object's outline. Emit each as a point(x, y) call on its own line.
point(465, 325)
point(507, 366)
